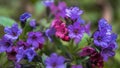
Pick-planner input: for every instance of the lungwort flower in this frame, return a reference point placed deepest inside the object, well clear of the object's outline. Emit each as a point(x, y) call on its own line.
point(55, 61)
point(76, 32)
point(35, 39)
point(30, 54)
point(13, 32)
point(5, 44)
point(73, 12)
point(24, 17)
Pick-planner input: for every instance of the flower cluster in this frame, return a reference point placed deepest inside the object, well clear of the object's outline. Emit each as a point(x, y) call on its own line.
point(58, 45)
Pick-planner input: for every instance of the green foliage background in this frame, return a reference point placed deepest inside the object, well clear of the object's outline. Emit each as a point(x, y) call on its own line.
point(11, 9)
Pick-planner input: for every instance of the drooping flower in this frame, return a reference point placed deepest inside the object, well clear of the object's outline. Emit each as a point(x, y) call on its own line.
point(49, 33)
point(86, 51)
point(30, 53)
point(13, 32)
point(12, 54)
point(73, 12)
point(32, 23)
point(76, 32)
point(35, 39)
point(20, 54)
point(109, 51)
point(24, 17)
point(23, 44)
point(5, 44)
point(55, 61)
point(48, 3)
point(76, 66)
point(96, 60)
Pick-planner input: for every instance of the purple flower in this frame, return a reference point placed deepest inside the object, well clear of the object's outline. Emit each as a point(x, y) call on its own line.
point(23, 44)
point(96, 60)
point(13, 32)
point(103, 25)
point(102, 39)
point(55, 61)
point(24, 17)
point(5, 44)
point(73, 12)
point(48, 2)
point(32, 23)
point(12, 54)
point(76, 32)
point(17, 65)
point(20, 54)
point(109, 51)
point(35, 39)
point(30, 53)
point(49, 33)
point(76, 66)
point(61, 9)
point(86, 51)
point(87, 28)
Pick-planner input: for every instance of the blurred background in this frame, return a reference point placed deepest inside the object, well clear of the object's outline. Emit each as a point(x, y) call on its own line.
point(93, 11)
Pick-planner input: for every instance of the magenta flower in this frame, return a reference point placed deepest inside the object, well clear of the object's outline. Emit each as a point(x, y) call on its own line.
point(12, 54)
point(35, 39)
point(55, 61)
point(96, 60)
point(87, 51)
point(60, 29)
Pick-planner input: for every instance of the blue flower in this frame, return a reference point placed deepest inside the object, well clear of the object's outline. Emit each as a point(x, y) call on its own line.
point(73, 12)
point(101, 39)
point(20, 54)
point(103, 25)
point(55, 61)
point(32, 23)
point(5, 44)
point(109, 51)
point(48, 2)
point(30, 53)
point(24, 17)
point(50, 32)
point(13, 32)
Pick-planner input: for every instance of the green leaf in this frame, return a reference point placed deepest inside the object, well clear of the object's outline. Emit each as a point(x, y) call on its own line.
point(85, 40)
point(5, 21)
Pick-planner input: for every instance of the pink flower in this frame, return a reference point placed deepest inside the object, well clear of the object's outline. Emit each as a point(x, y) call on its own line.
point(61, 30)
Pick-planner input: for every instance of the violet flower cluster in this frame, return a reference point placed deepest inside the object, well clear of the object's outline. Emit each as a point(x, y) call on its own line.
point(57, 46)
